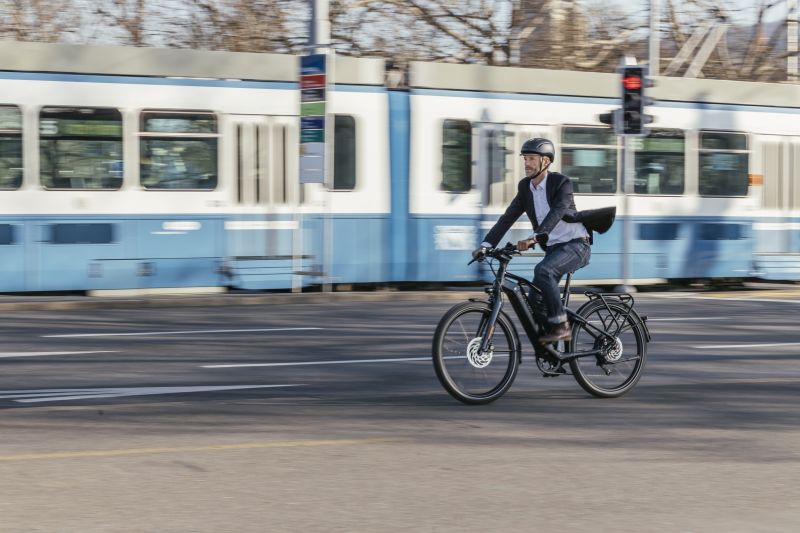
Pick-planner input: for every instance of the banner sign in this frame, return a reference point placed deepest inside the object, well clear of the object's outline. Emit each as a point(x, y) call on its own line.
point(313, 80)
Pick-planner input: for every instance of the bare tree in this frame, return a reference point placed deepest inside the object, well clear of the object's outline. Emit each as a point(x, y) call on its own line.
point(128, 17)
point(699, 37)
point(241, 25)
point(573, 36)
point(438, 30)
point(703, 41)
point(38, 20)
point(544, 33)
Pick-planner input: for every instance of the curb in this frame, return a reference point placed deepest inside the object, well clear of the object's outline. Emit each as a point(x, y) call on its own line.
point(93, 302)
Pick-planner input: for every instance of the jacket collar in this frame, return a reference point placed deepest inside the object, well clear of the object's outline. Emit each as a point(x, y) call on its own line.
point(542, 184)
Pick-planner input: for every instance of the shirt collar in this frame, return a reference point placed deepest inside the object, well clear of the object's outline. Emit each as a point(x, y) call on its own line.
point(542, 185)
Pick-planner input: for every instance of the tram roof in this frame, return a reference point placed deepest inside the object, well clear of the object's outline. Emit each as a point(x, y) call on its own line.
point(483, 78)
point(172, 62)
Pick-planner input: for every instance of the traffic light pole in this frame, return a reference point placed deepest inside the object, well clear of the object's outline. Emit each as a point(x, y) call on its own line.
point(629, 121)
point(628, 175)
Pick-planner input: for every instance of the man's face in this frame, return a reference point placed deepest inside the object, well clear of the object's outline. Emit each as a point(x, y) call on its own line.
point(534, 163)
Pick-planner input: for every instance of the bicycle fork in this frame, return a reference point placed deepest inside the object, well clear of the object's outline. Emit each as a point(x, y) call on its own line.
point(488, 334)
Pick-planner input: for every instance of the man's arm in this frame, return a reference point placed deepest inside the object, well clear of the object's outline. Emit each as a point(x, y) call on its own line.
point(504, 223)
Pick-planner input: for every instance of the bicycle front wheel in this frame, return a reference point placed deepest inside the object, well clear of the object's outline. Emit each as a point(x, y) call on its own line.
point(618, 368)
point(467, 374)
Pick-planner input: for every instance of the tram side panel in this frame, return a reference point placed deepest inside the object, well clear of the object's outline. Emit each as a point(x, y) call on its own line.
point(347, 221)
point(152, 217)
point(13, 268)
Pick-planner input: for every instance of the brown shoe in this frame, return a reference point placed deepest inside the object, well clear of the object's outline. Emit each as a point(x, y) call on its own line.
point(560, 332)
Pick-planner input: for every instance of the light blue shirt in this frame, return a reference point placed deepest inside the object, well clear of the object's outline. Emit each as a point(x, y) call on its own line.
point(563, 231)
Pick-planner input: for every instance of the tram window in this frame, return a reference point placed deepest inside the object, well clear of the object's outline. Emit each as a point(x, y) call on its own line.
point(10, 147)
point(456, 155)
point(178, 150)
point(589, 158)
point(80, 148)
point(660, 163)
point(344, 153)
point(723, 164)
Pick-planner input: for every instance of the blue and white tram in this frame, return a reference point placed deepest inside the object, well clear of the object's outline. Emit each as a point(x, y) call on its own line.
point(139, 168)
point(132, 168)
point(715, 192)
point(124, 168)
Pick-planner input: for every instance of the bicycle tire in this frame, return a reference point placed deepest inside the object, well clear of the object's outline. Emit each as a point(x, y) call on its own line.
point(459, 372)
point(598, 375)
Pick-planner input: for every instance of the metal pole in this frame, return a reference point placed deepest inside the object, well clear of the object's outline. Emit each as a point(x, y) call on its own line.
point(655, 43)
point(628, 175)
point(791, 41)
point(318, 41)
point(330, 132)
point(319, 25)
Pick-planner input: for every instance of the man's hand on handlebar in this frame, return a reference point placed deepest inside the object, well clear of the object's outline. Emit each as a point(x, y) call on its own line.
point(526, 244)
point(479, 253)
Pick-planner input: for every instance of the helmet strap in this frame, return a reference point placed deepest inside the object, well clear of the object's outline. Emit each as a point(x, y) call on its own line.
point(544, 169)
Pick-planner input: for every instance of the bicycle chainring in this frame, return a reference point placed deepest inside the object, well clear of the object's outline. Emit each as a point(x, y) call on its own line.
point(549, 368)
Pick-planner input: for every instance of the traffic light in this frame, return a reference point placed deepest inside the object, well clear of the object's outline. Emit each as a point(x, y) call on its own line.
point(634, 120)
point(611, 118)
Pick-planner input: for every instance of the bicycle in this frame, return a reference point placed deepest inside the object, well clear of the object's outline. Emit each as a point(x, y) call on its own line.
point(477, 362)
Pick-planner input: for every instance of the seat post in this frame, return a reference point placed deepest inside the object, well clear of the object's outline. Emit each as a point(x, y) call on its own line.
point(565, 297)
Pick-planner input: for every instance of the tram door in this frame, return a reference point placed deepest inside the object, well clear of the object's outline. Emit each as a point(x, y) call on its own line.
point(780, 200)
point(262, 232)
point(775, 233)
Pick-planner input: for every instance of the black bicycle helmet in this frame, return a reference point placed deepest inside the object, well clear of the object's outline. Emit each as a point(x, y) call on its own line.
point(540, 146)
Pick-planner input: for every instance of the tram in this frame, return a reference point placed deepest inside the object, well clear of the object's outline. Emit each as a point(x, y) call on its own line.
point(140, 168)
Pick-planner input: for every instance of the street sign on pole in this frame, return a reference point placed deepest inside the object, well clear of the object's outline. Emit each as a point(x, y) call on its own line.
point(313, 81)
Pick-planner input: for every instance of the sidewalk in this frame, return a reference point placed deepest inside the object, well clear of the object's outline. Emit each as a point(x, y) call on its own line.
point(174, 298)
point(22, 302)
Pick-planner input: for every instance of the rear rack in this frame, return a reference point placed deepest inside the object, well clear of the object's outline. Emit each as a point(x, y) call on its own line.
point(626, 300)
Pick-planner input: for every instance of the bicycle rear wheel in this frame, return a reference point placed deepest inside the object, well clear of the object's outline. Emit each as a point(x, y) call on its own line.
point(619, 367)
point(468, 375)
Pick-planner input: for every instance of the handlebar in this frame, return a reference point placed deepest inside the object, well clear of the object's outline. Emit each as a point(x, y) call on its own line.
point(504, 254)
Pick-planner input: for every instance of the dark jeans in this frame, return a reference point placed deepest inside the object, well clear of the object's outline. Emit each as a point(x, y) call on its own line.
point(559, 259)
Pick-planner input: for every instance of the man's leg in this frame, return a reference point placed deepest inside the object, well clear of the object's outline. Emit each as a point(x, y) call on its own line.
point(559, 260)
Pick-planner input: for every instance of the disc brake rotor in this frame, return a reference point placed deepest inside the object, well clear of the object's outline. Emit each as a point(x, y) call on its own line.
point(613, 352)
point(477, 358)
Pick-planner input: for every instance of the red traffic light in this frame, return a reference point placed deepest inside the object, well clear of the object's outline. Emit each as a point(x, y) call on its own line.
point(632, 83)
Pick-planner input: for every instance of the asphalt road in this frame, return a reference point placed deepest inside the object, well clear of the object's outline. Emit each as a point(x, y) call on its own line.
point(328, 417)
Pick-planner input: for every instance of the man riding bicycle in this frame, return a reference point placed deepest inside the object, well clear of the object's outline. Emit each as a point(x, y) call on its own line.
point(547, 198)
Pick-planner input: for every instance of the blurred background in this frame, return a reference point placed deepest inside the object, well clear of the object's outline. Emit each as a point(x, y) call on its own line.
point(152, 144)
point(749, 36)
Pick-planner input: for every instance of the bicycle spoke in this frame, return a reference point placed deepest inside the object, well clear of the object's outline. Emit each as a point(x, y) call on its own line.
point(466, 372)
point(617, 335)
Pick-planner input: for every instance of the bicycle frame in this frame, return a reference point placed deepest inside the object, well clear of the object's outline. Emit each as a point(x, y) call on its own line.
point(512, 286)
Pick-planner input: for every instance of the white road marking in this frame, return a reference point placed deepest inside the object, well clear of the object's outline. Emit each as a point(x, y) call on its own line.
point(690, 296)
point(758, 345)
point(687, 318)
point(717, 298)
point(4, 355)
point(188, 332)
point(55, 395)
point(307, 363)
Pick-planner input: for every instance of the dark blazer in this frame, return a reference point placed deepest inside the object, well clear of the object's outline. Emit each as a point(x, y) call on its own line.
point(562, 207)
